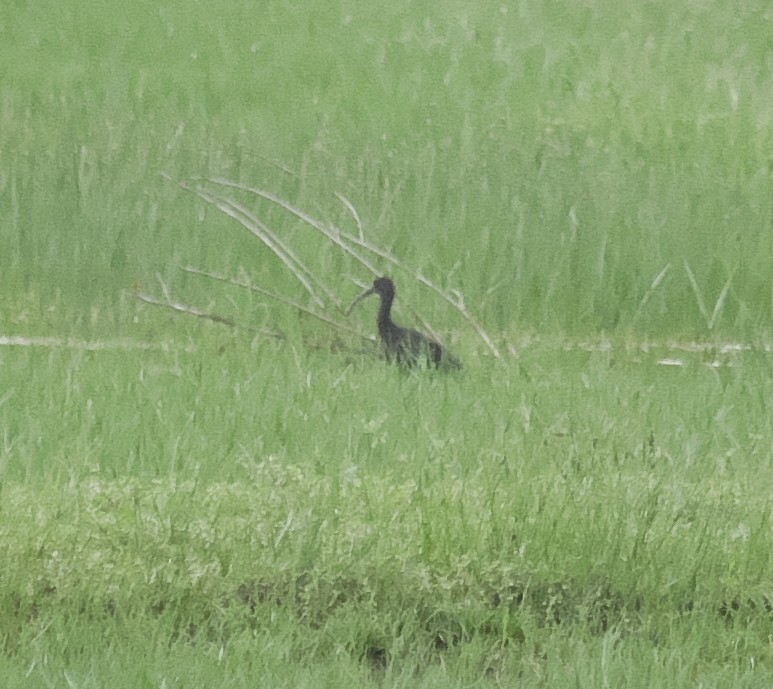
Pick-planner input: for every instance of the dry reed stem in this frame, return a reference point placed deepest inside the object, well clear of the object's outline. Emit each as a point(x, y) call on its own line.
point(272, 295)
point(354, 213)
point(258, 229)
point(648, 294)
point(711, 319)
point(696, 290)
point(179, 307)
point(333, 236)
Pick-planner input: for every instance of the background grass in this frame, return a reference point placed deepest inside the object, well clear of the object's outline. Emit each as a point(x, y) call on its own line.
point(217, 508)
point(548, 160)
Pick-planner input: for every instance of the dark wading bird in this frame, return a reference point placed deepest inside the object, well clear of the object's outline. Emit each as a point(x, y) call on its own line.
point(407, 347)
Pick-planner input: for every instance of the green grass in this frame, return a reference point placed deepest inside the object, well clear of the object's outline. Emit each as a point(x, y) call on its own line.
point(550, 161)
point(268, 502)
point(182, 504)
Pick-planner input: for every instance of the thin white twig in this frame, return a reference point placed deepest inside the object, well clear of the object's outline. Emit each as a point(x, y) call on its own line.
point(354, 213)
point(698, 296)
point(648, 294)
point(720, 302)
point(170, 303)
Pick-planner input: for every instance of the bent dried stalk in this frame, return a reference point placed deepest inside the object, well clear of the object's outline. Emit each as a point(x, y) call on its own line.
point(273, 295)
point(180, 307)
point(245, 218)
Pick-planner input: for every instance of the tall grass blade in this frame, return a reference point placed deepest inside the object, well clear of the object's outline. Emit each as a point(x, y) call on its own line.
point(720, 302)
point(648, 294)
point(698, 296)
point(354, 213)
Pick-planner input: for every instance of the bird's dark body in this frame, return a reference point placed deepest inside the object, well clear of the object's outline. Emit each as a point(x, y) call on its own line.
point(406, 347)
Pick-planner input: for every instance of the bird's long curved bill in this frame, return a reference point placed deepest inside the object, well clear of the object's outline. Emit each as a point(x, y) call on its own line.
point(364, 295)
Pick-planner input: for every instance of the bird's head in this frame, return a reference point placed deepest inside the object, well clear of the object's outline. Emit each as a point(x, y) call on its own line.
point(382, 286)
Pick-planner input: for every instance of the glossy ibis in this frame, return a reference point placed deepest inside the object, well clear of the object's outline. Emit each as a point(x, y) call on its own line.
point(406, 347)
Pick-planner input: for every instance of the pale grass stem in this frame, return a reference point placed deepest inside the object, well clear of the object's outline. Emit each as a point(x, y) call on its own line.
point(273, 295)
point(711, 319)
point(245, 218)
point(170, 303)
point(648, 294)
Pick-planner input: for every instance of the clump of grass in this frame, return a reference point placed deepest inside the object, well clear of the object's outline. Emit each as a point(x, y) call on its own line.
point(350, 246)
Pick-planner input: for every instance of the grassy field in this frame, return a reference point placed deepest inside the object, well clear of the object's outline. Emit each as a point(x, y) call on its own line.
point(187, 504)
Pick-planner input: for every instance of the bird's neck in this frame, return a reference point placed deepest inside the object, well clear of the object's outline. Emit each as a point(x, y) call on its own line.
point(384, 315)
